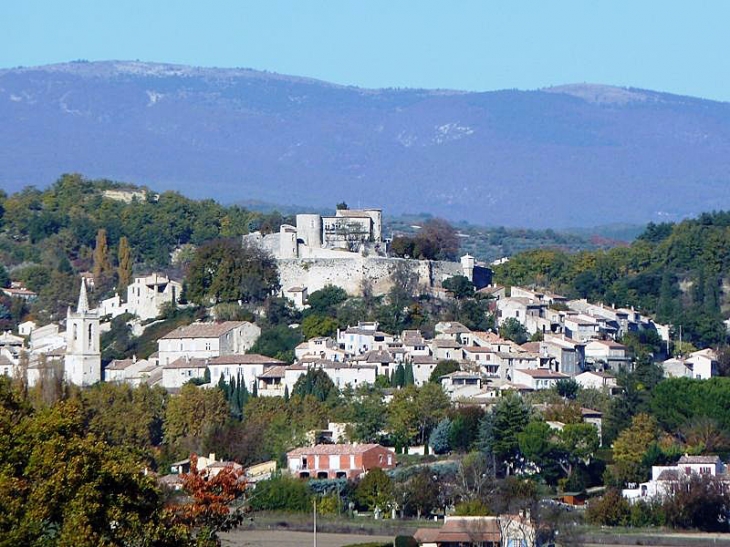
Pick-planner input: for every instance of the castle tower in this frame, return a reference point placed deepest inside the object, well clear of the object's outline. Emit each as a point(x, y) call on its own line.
point(82, 365)
point(467, 266)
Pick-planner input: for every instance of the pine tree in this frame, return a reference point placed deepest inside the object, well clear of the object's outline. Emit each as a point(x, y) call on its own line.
point(124, 271)
point(102, 266)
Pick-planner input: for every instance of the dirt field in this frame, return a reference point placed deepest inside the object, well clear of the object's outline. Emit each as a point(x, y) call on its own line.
point(285, 538)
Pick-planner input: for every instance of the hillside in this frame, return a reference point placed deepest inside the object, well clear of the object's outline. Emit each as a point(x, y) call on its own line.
point(577, 155)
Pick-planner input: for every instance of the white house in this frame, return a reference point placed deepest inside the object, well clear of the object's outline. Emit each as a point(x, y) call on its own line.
point(596, 380)
point(181, 371)
point(320, 347)
point(666, 478)
point(607, 353)
point(423, 366)
point(363, 338)
point(538, 378)
point(205, 340)
point(248, 366)
point(146, 295)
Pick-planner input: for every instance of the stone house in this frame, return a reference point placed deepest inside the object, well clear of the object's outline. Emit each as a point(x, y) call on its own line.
point(538, 379)
point(146, 295)
point(206, 340)
point(181, 371)
point(247, 366)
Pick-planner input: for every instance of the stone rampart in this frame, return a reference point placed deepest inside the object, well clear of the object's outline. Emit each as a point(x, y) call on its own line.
point(352, 273)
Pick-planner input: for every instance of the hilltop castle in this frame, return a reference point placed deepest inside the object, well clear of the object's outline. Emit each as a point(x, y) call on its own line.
point(348, 250)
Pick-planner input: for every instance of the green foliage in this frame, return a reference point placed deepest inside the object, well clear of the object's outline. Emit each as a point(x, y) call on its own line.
point(512, 329)
point(318, 325)
point(460, 286)
point(472, 508)
point(510, 416)
point(678, 401)
point(315, 382)
point(4, 277)
point(278, 342)
point(375, 490)
point(436, 240)
point(646, 275)
point(567, 388)
point(326, 299)
point(226, 271)
point(465, 428)
point(62, 486)
point(281, 493)
point(439, 439)
point(443, 367)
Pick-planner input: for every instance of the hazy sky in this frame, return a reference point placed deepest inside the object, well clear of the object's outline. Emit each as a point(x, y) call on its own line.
point(680, 47)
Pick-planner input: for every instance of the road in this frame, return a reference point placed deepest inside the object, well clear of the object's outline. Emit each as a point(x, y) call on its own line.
point(285, 538)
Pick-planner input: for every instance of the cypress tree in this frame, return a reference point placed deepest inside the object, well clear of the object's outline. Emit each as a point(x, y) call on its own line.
point(124, 270)
point(102, 266)
point(399, 377)
point(409, 380)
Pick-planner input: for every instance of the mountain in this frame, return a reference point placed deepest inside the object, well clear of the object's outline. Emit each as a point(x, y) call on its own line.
point(576, 155)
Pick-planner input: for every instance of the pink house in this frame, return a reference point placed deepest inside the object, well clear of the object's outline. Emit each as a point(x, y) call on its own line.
point(336, 461)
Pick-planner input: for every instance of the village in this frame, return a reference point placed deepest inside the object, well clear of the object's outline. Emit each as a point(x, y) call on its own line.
point(516, 393)
point(541, 342)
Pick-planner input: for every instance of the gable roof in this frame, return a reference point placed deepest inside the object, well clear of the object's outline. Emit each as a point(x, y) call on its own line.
point(334, 449)
point(203, 330)
point(245, 359)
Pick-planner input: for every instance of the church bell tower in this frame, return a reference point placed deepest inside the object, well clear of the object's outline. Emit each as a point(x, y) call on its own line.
point(82, 365)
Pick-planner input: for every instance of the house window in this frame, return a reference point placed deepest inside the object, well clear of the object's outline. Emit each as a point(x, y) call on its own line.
point(207, 346)
point(705, 470)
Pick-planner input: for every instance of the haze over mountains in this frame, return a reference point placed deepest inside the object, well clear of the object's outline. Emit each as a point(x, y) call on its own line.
point(576, 155)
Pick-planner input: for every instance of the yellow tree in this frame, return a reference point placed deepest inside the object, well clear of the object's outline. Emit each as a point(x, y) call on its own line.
point(102, 266)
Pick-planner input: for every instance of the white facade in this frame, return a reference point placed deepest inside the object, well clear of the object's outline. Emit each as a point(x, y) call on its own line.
point(147, 295)
point(181, 371)
point(82, 363)
point(246, 367)
point(596, 380)
point(206, 340)
point(538, 379)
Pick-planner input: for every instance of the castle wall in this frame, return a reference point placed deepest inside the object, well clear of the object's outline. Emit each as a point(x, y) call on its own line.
point(349, 273)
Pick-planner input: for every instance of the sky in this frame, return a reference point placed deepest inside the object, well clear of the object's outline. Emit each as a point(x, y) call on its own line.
point(674, 46)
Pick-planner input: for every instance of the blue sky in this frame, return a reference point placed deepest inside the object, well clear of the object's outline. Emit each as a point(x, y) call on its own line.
point(679, 47)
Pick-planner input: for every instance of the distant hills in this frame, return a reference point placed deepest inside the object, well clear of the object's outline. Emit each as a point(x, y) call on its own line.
point(576, 155)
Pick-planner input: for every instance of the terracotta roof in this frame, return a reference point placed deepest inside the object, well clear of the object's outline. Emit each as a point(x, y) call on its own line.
point(182, 362)
point(477, 349)
point(669, 475)
point(273, 372)
point(445, 343)
point(469, 531)
point(423, 360)
point(203, 330)
point(610, 344)
point(379, 357)
point(245, 359)
point(19, 292)
point(533, 347)
point(119, 364)
point(333, 449)
point(699, 459)
point(543, 373)
point(296, 289)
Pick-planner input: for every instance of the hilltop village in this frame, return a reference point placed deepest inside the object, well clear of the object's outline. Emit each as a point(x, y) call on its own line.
point(314, 357)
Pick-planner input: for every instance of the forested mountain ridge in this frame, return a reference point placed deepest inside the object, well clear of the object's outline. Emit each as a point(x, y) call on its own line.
point(587, 154)
point(676, 271)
